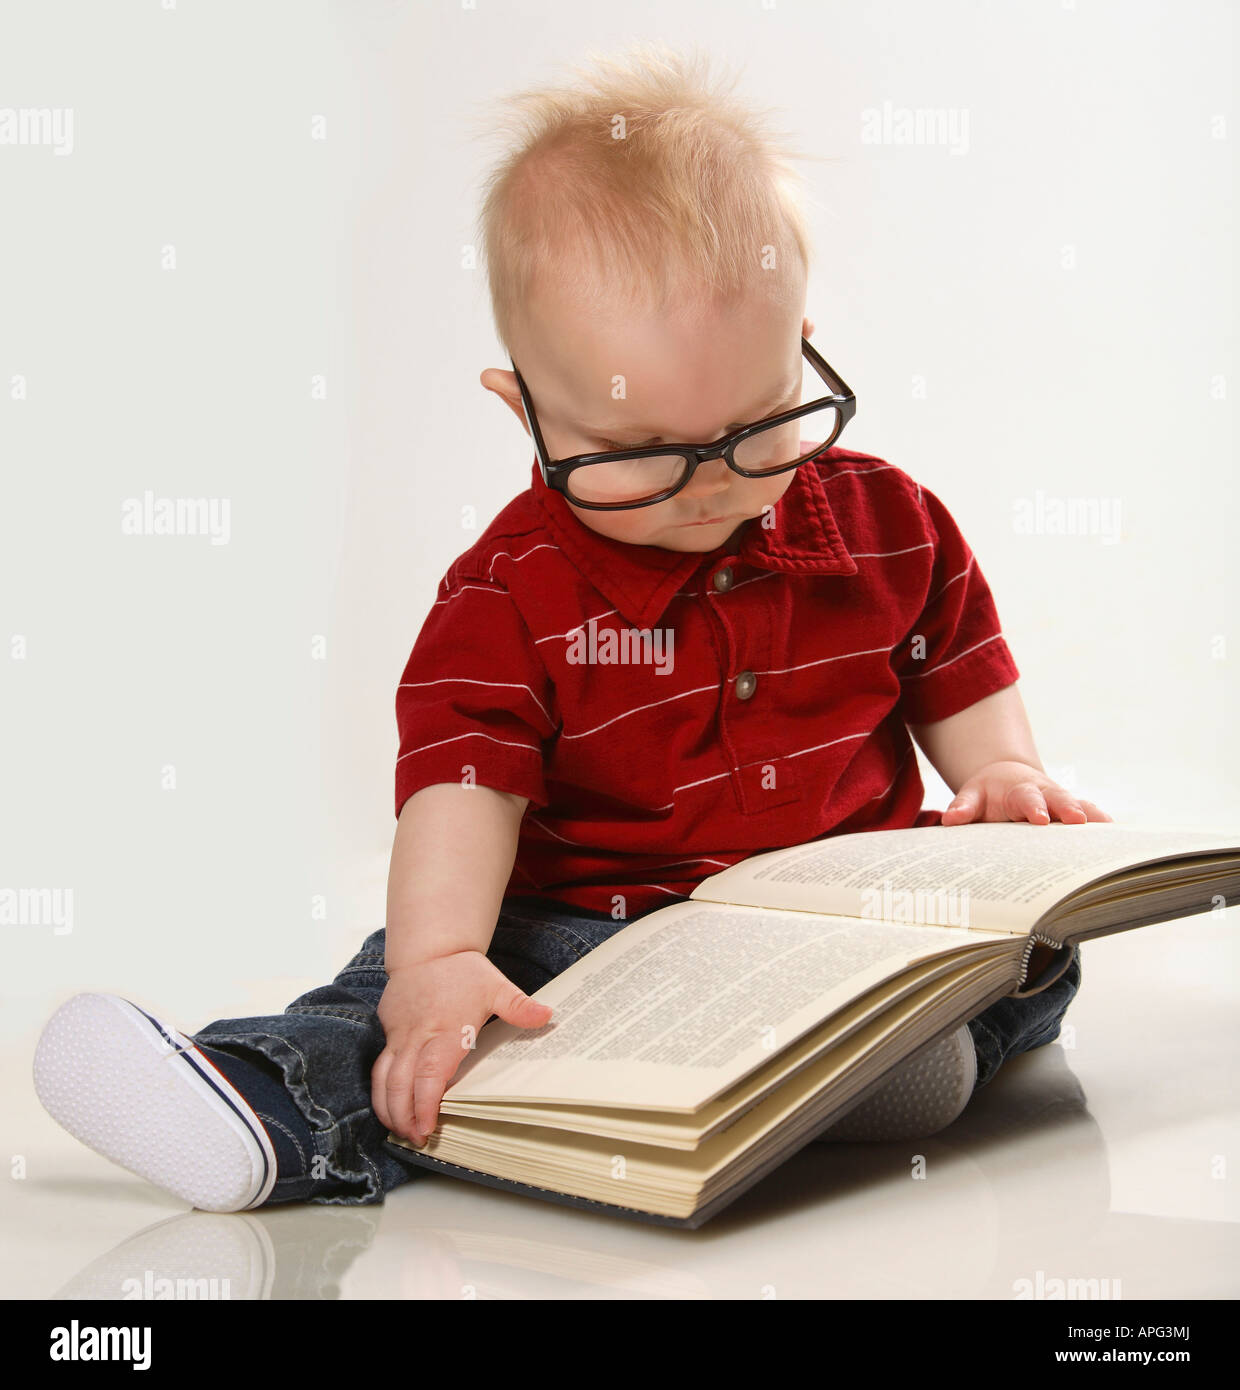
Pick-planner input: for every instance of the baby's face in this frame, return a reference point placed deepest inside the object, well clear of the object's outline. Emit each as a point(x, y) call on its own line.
point(688, 377)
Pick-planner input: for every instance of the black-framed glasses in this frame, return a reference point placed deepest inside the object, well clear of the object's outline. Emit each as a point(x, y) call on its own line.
point(618, 480)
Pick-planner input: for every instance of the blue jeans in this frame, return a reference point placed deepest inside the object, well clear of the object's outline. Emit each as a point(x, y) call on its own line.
point(327, 1040)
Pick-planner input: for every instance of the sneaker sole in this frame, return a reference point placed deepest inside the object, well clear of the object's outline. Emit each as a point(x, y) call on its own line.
point(926, 1093)
point(140, 1093)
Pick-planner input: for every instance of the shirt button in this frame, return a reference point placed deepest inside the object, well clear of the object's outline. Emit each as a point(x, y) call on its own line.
point(723, 580)
point(746, 684)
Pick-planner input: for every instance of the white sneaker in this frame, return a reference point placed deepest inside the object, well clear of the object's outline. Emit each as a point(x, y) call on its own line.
point(923, 1095)
point(133, 1088)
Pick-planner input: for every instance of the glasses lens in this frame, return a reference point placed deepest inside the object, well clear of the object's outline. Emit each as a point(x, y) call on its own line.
point(625, 482)
point(620, 482)
point(775, 448)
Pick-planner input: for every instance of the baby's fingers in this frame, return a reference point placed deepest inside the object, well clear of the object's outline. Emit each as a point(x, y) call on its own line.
point(1064, 805)
point(397, 1090)
point(400, 1084)
point(436, 1065)
point(963, 808)
point(378, 1087)
point(1024, 801)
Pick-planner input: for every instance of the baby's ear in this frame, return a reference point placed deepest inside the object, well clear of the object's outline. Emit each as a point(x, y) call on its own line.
point(504, 384)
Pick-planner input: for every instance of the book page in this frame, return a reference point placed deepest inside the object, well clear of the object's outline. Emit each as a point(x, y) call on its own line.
point(1001, 876)
point(677, 1181)
point(677, 1131)
point(681, 1004)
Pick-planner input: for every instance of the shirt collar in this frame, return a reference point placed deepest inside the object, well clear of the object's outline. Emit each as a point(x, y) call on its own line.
point(801, 537)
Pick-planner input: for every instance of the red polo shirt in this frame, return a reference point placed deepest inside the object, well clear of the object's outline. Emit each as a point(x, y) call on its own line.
point(766, 706)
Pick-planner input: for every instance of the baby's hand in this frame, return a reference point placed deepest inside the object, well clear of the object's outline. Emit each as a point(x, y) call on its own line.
point(1016, 791)
point(431, 1013)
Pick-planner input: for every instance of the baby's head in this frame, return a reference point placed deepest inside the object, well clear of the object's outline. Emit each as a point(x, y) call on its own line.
point(647, 260)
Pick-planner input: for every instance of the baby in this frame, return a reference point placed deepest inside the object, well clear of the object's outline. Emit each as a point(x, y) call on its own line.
point(704, 631)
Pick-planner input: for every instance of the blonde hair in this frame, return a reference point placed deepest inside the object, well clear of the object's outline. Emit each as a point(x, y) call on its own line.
point(635, 180)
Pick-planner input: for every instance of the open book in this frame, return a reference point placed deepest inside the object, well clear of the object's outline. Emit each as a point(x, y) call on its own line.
point(703, 1044)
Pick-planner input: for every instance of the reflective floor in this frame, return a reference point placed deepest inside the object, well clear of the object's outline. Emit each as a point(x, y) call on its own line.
point(1103, 1157)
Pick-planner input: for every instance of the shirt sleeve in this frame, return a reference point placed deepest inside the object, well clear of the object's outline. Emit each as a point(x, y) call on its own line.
point(955, 653)
point(475, 702)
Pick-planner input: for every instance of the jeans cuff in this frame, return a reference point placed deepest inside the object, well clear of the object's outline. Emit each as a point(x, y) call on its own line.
point(340, 1171)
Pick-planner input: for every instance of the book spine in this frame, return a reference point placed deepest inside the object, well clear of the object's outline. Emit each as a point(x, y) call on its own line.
point(1033, 940)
